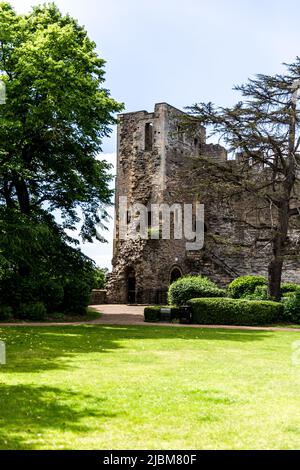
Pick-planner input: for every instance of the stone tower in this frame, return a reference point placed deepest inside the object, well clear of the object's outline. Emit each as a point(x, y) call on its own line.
point(154, 167)
point(152, 151)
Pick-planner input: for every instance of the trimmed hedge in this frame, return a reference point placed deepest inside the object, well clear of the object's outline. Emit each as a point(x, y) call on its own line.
point(260, 293)
point(235, 312)
point(245, 285)
point(287, 287)
point(153, 315)
point(190, 287)
point(291, 305)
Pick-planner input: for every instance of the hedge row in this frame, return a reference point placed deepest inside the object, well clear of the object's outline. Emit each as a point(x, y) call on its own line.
point(245, 285)
point(190, 287)
point(153, 314)
point(235, 312)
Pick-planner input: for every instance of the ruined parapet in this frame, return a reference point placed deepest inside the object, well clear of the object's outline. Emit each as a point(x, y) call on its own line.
point(214, 151)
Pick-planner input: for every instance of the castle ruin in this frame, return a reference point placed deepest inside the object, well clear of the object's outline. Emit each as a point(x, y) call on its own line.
point(153, 150)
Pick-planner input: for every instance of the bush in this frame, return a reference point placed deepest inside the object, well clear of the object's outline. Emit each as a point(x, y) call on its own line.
point(33, 311)
point(52, 294)
point(190, 287)
point(291, 306)
point(235, 312)
point(6, 312)
point(260, 293)
point(288, 295)
point(77, 297)
point(245, 285)
point(287, 287)
point(153, 315)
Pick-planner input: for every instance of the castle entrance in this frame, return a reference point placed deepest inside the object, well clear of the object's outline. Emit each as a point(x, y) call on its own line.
point(175, 274)
point(131, 286)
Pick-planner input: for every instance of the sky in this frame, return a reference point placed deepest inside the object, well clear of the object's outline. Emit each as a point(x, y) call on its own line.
point(181, 52)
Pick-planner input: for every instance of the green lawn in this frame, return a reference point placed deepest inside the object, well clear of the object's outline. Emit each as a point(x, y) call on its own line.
point(102, 387)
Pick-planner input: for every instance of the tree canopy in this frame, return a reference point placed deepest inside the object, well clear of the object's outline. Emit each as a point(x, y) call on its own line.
point(56, 115)
point(262, 134)
point(52, 177)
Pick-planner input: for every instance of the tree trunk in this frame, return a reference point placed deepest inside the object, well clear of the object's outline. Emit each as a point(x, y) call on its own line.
point(23, 195)
point(278, 248)
point(275, 273)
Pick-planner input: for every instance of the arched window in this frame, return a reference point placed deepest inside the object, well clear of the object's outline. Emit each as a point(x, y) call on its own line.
point(176, 273)
point(148, 136)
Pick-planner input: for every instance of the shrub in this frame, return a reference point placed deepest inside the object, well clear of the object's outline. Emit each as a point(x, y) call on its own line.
point(6, 312)
point(291, 306)
point(190, 287)
point(33, 311)
point(287, 295)
point(260, 293)
point(235, 312)
point(289, 287)
point(153, 314)
point(52, 294)
point(245, 285)
point(77, 297)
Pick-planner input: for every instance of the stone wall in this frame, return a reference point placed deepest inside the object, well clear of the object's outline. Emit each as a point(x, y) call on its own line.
point(98, 297)
point(153, 166)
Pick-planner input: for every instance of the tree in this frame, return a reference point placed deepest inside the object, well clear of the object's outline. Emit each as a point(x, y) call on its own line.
point(100, 275)
point(51, 130)
point(55, 118)
point(262, 134)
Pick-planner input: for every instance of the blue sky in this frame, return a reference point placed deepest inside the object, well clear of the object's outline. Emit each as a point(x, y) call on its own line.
point(181, 52)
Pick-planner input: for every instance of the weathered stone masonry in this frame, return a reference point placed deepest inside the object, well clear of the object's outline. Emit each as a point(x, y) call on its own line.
point(153, 149)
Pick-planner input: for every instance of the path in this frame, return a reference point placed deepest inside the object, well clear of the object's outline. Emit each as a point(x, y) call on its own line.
point(133, 315)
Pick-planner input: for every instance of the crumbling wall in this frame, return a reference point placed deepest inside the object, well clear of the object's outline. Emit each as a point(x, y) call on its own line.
point(153, 166)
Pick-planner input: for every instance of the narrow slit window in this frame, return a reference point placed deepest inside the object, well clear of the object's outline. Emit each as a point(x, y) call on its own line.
point(148, 136)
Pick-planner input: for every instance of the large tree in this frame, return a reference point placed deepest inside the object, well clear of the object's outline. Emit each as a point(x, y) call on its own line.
point(262, 135)
point(51, 129)
point(55, 117)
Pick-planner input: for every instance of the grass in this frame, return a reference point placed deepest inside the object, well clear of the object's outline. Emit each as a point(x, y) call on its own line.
point(113, 387)
point(91, 314)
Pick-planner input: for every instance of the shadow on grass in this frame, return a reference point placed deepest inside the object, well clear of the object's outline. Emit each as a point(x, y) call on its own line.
point(34, 349)
point(27, 412)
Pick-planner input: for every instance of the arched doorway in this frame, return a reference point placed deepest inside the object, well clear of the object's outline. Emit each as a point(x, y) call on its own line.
point(131, 286)
point(176, 273)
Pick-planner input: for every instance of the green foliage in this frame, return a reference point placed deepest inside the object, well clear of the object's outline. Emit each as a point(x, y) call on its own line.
point(235, 312)
point(100, 278)
point(77, 296)
point(40, 265)
point(6, 312)
point(288, 295)
point(245, 285)
point(189, 287)
point(52, 294)
point(289, 287)
point(51, 130)
point(292, 307)
point(152, 314)
point(55, 117)
point(35, 311)
point(260, 293)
